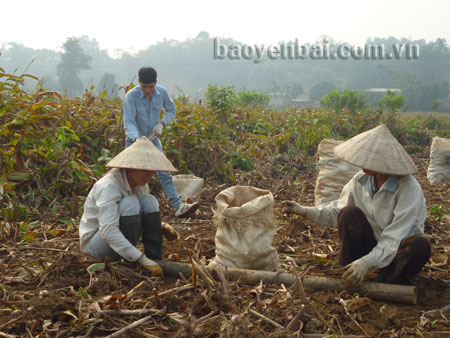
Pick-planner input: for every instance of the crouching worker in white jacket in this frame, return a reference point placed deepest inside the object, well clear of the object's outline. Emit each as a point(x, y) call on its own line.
point(119, 209)
point(380, 213)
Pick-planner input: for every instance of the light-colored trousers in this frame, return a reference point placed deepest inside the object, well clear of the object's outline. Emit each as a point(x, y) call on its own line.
point(164, 177)
point(128, 206)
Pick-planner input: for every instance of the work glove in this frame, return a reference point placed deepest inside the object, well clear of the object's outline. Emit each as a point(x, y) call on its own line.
point(291, 207)
point(355, 272)
point(151, 266)
point(169, 232)
point(158, 128)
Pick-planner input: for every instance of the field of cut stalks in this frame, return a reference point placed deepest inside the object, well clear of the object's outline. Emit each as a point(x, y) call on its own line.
point(53, 149)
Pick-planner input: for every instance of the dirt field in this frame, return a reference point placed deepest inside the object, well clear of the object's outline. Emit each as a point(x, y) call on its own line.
point(46, 291)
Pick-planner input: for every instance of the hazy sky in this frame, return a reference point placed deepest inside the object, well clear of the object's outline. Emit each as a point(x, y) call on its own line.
point(134, 24)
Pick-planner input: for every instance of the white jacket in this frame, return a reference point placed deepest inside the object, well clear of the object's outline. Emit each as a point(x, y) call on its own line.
point(101, 213)
point(396, 211)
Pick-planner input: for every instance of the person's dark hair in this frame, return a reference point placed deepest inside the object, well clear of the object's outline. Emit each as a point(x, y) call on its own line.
point(147, 75)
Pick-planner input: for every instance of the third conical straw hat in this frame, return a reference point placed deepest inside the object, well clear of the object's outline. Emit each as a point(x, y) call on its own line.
point(376, 150)
point(142, 154)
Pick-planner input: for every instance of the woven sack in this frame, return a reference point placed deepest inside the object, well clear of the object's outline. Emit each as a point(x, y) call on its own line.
point(439, 167)
point(333, 174)
point(245, 229)
point(189, 187)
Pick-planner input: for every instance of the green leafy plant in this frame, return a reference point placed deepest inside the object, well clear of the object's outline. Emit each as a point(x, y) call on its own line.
point(252, 99)
point(438, 212)
point(392, 102)
point(338, 100)
point(221, 100)
point(238, 161)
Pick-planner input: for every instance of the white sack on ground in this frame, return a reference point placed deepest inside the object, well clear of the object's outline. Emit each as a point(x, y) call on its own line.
point(245, 229)
point(439, 167)
point(333, 173)
point(189, 187)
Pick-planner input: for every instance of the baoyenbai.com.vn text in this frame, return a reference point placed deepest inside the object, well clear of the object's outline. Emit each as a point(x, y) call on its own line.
point(319, 51)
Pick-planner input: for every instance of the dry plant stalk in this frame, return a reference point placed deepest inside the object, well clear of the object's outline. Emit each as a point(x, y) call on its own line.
point(296, 317)
point(378, 291)
point(270, 321)
point(130, 326)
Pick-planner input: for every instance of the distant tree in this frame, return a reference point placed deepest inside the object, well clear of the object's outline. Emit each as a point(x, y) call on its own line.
point(338, 100)
point(18, 59)
point(73, 61)
point(275, 89)
point(203, 35)
point(49, 83)
point(252, 99)
point(433, 64)
point(392, 102)
point(107, 84)
point(89, 46)
point(293, 90)
point(425, 94)
point(435, 105)
point(420, 96)
point(320, 89)
point(221, 100)
point(189, 64)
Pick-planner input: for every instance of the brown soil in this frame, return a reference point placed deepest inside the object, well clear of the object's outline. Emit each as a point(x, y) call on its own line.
point(42, 282)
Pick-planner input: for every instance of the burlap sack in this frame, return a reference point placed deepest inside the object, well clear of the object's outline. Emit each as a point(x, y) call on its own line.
point(333, 173)
point(189, 187)
point(439, 167)
point(245, 229)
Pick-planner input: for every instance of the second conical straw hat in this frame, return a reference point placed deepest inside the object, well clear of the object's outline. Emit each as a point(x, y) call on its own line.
point(376, 150)
point(142, 154)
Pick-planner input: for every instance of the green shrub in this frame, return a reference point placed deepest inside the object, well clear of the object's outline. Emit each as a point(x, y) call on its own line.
point(392, 102)
point(221, 100)
point(338, 100)
point(252, 99)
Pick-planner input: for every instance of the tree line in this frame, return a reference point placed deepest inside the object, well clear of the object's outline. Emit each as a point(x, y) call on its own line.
point(187, 67)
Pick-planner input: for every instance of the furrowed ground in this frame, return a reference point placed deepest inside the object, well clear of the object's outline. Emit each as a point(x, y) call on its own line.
point(54, 148)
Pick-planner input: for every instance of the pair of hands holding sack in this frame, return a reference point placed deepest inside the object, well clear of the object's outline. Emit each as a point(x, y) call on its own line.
point(356, 271)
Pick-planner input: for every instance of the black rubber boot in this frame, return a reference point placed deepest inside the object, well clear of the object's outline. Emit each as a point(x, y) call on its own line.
point(131, 228)
point(152, 236)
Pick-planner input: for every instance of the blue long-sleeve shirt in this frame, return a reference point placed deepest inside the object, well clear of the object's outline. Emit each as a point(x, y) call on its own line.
point(141, 114)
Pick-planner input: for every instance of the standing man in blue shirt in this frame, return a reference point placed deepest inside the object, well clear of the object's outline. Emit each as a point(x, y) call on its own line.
point(142, 108)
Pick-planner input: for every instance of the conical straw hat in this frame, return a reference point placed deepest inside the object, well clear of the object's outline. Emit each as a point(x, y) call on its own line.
point(376, 150)
point(142, 154)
